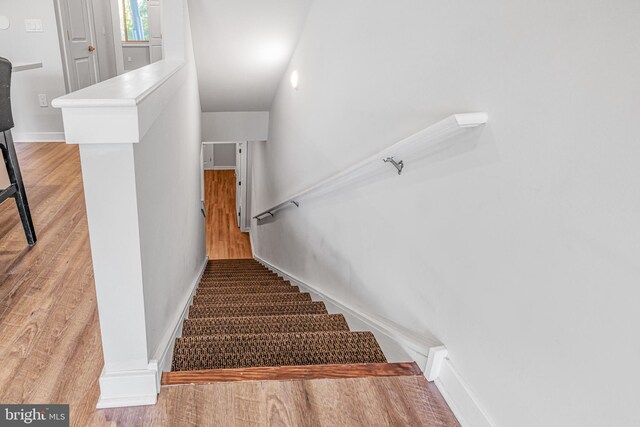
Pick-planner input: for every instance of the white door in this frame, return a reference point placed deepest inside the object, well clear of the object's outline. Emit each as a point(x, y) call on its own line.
point(77, 30)
point(207, 156)
point(155, 30)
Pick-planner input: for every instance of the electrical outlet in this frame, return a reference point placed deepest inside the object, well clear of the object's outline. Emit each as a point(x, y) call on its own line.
point(42, 100)
point(33, 25)
point(129, 59)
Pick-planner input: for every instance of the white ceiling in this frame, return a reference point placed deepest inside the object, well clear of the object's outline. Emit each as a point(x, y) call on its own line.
point(242, 49)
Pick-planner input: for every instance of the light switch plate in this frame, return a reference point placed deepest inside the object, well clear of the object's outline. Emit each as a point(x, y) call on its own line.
point(42, 100)
point(33, 25)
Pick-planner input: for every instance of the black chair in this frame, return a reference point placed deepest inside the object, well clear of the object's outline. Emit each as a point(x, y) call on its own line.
point(16, 189)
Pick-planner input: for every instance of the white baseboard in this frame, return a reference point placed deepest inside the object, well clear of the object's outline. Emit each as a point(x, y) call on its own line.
point(405, 339)
point(459, 397)
point(38, 136)
point(128, 388)
point(163, 354)
point(253, 251)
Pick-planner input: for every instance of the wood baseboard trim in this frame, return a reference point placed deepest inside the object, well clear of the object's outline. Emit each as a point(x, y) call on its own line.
point(284, 373)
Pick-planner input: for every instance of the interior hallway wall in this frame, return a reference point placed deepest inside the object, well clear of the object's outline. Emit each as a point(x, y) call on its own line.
point(235, 126)
point(519, 251)
point(32, 122)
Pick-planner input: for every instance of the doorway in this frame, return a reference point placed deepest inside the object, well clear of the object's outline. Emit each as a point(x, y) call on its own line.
point(225, 189)
point(85, 30)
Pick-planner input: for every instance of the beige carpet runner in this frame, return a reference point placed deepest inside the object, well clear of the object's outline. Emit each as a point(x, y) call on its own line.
point(244, 315)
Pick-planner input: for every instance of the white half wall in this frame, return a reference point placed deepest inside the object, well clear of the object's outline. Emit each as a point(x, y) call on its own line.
point(235, 126)
point(519, 250)
point(32, 122)
point(139, 137)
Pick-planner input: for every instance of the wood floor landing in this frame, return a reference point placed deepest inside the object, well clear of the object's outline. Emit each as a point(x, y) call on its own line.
point(224, 238)
point(288, 373)
point(370, 402)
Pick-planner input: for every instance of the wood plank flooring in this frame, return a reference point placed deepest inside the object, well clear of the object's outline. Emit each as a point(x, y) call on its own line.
point(224, 238)
point(388, 401)
point(50, 345)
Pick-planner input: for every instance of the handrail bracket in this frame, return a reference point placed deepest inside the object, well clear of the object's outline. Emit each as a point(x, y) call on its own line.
point(399, 165)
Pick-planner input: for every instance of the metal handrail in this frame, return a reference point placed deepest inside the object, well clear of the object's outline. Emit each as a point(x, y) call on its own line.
point(411, 146)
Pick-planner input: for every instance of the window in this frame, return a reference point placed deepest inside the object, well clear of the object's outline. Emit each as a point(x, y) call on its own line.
point(134, 20)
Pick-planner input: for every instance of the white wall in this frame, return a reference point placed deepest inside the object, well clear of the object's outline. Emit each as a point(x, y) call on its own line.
point(520, 252)
point(224, 155)
point(32, 122)
point(235, 126)
point(135, 57)
point(168, 174)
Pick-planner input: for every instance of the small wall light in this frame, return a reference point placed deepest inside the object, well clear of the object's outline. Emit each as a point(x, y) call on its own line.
point(294, 79)
point(4, 23)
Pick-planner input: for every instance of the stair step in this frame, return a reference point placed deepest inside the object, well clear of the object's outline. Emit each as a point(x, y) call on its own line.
point(243, 288)
point(269, 309)
point(232, 262)
point(237, 270)
point(239, 282)
point(282, 349)
point(265, 324)
point(291, 373)
point(237, 276)
point(251, 298)
point(256, 271)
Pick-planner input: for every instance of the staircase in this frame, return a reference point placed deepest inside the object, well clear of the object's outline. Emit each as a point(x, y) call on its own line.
point(245, 316)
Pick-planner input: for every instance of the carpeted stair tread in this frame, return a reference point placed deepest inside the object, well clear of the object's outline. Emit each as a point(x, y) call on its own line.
point(251, 298)
point(280, 349)
point(268, 309)
point(236, 267)
point(238, 273)
point(238, 278)
point(257, 288)
point(252, 270)
point(229, 283)
point(265, 324)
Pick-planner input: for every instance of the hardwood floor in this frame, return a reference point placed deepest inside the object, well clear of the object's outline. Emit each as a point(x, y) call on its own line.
point(49, 337)
point(381, 401)
point(50, 345)
point(224, 238)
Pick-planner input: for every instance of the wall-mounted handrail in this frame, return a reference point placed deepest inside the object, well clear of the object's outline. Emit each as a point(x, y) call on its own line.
point(413, 147)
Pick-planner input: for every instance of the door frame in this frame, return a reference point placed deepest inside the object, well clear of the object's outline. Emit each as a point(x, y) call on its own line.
point(243, 188)
point(61, 20)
